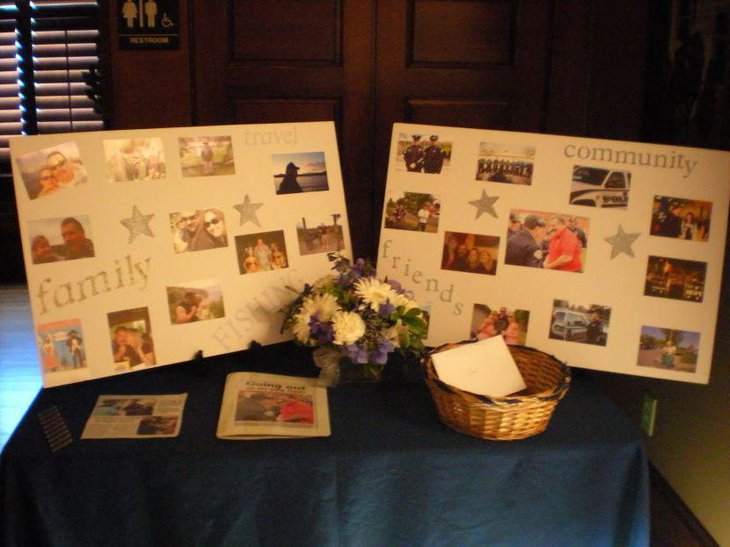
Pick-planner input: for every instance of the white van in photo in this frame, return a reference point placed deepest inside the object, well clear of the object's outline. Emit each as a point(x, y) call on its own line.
point(597, 187)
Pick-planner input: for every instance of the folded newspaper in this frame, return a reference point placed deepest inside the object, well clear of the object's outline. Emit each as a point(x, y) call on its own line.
point(135, 417)
point(265, 406)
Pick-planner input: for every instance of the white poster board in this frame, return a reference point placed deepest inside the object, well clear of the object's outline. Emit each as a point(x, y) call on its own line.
point(606, 254)
point(144, 247)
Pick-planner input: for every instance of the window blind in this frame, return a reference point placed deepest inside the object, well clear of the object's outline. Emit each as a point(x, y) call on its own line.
point(54, 43)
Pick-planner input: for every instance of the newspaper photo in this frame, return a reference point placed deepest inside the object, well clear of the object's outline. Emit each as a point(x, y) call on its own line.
point(263, 406)
point(135, 417)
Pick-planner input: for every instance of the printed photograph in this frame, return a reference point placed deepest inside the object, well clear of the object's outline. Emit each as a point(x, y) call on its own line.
point(261, 252)
point(198, 230)
point(472, 253)
point(583, 323)
point(157, 425)
point(320, 234)
point(668, 349)
point(675, 278)
point(681, 218)
point(59, 239)
point(551, 241)
point(300, 172)
point(130, 332)
point(598, 187)
point(413, 211)
point(423, 154)
point(511, 324)
point(195, 301)
point(264, 406)
point(135, 160)
point(508, 163)
point(206, 156)
point(52, 169)
point(125, 407)
point(61, 346)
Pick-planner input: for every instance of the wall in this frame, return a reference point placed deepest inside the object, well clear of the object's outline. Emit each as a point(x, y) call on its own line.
point(149, 88)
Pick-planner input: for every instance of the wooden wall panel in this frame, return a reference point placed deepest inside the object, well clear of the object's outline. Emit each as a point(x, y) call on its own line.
point(462, 32)
point(287, 30)
point(288, 110)
point(460, 113)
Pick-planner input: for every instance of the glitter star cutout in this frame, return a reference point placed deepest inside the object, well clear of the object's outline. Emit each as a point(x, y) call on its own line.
point(248, 211)
point(621, 243)
point(485, 204)
point(138, 224)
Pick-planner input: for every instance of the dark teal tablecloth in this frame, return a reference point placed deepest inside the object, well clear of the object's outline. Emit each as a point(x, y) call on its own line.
point(390, 474)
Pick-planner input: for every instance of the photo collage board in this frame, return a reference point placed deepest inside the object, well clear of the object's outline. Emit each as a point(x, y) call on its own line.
point(145, 247)
point(605, 254)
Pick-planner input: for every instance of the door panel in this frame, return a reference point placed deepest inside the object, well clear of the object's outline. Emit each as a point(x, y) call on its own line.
point(367, 64)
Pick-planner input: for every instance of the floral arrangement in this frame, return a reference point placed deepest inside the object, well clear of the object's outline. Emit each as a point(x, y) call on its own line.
point(352, 311)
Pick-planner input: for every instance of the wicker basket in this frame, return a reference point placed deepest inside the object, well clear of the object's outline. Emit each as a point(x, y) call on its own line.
point(503, 418)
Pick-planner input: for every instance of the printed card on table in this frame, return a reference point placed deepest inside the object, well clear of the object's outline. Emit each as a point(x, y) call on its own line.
point(606, 254)
point(142, 247)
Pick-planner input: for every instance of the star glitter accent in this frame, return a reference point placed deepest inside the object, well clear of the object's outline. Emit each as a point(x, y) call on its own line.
point(248, 211)
point(621, 242)
point(138, 224)
point(485, 204)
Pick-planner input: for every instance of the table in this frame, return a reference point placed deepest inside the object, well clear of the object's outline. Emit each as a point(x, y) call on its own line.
point(391, 474)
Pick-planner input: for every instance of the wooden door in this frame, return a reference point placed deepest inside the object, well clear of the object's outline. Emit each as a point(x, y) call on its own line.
point(366, 64)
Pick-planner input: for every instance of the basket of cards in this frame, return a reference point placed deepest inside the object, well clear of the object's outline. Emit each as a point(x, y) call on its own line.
point(516, 416)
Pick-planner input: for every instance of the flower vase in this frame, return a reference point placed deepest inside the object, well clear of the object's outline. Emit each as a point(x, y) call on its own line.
point(336, 368)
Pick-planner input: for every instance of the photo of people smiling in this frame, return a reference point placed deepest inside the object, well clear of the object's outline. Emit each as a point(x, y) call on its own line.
point(198, 230)
point(49, 170)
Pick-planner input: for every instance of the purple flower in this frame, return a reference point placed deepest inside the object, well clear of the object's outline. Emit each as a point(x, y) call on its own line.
point(385, 346)
point(386, 309)
point(323, 332)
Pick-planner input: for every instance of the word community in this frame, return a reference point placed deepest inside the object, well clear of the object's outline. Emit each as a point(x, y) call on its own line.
point(126, 273)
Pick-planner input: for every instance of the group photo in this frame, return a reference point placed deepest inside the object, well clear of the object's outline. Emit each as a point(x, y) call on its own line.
point(413, 211)
point(510, 324)
point(261, 252)
point(61, 346)
point(472, 253)
point(512, 164)
point(423, 154)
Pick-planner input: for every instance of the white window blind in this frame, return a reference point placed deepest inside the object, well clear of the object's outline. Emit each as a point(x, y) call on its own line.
point(55, 43)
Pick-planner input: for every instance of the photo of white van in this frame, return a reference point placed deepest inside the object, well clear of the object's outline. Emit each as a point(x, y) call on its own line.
point(598, 187)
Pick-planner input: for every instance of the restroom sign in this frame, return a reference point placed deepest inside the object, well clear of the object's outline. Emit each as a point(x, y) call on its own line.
point(149, 24)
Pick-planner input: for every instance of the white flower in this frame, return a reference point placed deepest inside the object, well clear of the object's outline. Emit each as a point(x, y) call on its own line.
point(348, 327)
point(323, 306)
point(374, 293)
point(402, 300)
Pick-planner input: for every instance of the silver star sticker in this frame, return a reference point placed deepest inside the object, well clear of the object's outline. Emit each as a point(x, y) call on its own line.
point(621, 243)
point(138, 224)
point(248, 211)
point(485, 204)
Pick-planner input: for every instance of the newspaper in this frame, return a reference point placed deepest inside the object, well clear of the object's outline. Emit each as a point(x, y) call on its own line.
point(135, 417)
point(264, 406)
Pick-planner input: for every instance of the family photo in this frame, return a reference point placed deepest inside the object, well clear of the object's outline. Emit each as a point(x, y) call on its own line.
point(472, 253)
point(195, 301)
point(198, 230)
point(261, 252)
point(131, 339)
point(61, 346)
point(510, 324)
point(58, 239)
point(52, 169)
